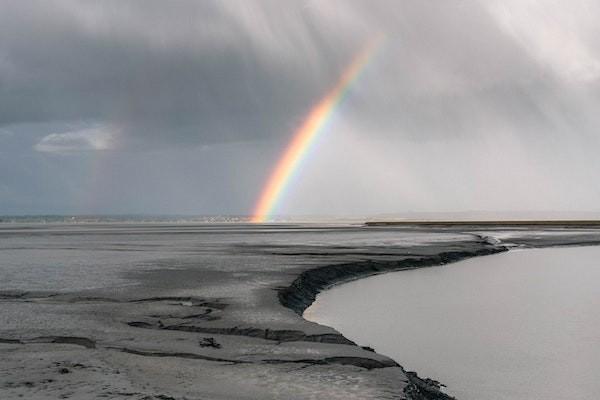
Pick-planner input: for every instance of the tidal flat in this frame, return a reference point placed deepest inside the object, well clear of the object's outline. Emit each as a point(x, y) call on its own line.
point(212, 311)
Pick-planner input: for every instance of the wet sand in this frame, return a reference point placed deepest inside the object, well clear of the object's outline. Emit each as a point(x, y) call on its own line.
point(224, 331)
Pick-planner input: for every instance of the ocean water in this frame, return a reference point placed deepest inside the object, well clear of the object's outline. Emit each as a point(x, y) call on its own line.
point(520, 325)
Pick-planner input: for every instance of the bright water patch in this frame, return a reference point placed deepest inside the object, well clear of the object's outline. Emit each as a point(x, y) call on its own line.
point(518, 325)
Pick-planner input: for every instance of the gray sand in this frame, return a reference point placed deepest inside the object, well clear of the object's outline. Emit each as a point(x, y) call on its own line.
point(206, 322)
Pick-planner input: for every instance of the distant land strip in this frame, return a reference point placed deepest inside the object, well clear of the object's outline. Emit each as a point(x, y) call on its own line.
point(523, 223)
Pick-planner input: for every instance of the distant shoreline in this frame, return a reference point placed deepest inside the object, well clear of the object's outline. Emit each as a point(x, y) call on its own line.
point(490, 223)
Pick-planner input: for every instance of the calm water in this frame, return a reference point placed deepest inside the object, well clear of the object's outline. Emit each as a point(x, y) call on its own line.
point(518, 325)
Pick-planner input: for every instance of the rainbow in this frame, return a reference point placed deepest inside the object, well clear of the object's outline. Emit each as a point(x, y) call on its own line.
point(308, 131)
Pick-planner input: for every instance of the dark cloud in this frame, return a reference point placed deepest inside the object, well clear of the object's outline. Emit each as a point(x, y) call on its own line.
point(83, 80)
point(212, 71)
point(185, 71)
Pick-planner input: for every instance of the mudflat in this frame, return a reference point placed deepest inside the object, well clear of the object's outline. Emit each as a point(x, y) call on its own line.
point(174, 311)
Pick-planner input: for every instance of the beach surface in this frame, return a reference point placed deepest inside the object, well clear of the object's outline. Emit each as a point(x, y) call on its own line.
point(180, 311)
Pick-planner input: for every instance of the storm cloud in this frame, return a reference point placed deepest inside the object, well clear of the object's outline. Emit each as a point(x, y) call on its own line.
point(492, 103)
point(182, 71)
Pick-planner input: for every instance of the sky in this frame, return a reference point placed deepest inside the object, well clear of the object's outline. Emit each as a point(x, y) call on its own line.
point(184, 107)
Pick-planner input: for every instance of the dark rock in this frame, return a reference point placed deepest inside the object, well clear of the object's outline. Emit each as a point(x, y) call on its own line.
point(209, 342)
point(424, 388)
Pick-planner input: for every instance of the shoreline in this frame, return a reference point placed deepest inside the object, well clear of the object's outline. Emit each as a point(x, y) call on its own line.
point(570, 224)
point(392, 313)
point(304, 289)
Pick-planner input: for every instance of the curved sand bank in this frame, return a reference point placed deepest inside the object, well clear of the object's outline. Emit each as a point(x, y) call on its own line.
point(303, 291)
point(499, 327)
point(215, 328)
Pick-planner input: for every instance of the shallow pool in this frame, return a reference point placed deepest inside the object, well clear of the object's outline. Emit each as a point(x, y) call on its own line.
point(518, 325)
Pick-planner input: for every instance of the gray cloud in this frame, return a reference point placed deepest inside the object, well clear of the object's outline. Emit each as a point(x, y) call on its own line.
point(515, 80)
point(183, 72)
point(211, 71)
